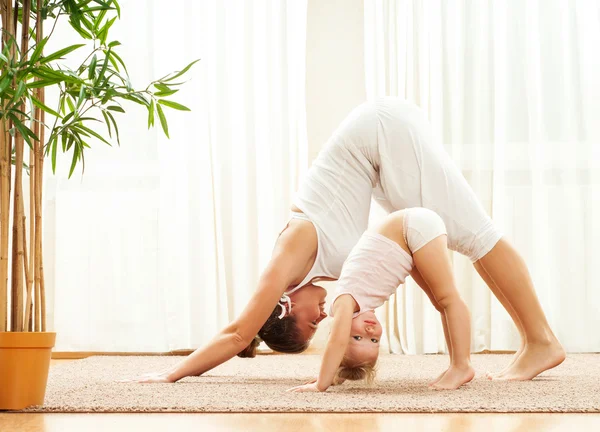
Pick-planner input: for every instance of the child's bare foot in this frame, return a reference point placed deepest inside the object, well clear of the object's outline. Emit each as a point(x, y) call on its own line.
point(492, 375)
point(438, 378)
point(535, 359)
point(454, 377)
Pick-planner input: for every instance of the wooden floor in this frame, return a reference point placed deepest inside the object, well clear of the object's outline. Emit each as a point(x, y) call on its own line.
point(297, 422)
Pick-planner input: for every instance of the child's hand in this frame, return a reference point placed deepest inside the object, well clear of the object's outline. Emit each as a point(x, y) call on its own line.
point(310, 387)
point(154, 377)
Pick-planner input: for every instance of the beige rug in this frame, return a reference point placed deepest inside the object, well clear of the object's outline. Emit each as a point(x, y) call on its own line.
point(258, 385)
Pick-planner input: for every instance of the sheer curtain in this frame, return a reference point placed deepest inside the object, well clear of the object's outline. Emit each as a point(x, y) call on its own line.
point(512, 89)
point(160, 243)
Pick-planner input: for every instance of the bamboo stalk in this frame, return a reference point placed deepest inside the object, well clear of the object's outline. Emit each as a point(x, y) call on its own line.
point(18, 215)
point(5, 168)
point(3, 223)
point(29, 263)
point(3, 288)
point(37, 126)
point(38, 226)
point(28, 303)
point(37, 195)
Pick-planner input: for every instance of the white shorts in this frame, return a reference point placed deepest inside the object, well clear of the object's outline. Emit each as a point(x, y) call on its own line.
point(421, 226)
point(416, 171)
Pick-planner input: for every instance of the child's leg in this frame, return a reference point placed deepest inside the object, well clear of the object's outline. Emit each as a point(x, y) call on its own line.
point(434, 265)
point(413, 230)
point(419, 280)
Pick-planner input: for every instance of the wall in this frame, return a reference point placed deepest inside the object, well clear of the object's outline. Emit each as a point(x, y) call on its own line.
point(335, 80)
point(335, 69)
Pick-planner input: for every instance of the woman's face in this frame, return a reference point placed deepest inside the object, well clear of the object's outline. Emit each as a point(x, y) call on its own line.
point(308, 307)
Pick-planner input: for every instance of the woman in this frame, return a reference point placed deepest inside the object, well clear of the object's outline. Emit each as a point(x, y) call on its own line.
point(386, 149)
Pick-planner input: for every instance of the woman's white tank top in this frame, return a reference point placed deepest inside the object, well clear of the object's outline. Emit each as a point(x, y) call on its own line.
point(336, 193)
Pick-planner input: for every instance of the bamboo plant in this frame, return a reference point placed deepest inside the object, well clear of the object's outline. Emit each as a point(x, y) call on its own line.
point(90, 101)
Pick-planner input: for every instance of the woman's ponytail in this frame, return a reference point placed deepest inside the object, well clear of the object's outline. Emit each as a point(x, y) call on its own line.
point(250, 350)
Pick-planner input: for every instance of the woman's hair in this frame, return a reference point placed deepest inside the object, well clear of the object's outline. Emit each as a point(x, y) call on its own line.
point(280, 335)
point(351, 371)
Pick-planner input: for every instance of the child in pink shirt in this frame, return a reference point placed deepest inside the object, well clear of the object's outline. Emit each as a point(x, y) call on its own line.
point(408, 242)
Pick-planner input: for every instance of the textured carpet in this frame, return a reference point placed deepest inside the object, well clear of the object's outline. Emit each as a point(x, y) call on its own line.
point(259, 384)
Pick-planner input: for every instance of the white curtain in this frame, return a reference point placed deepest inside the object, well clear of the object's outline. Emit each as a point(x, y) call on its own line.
point(512, 88)
point(160, 243)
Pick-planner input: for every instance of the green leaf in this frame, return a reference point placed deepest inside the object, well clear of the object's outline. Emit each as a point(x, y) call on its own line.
point(20, 90)
point(137, 98)
point(67, 76)
point(26, 133)
point(81, 97)
point(53, 145)
point(88, 24)
point(71, 103)
point(107, 121)
point(151, 114)
point(99, 17)
point(114, 44)
point(38, 51)
point(68, 117)
point(115, 126)
point(173, 105)
point(163, 120)
point(61, 53)
point(103, 32)
point(165, 93)
point(93, 133)
point(84, 34)
point(75, 159)
point(112, 61)
point(162, 87)
point(4, 83)
point(118, 8)
point(119, 59)
point(3, 58)
point(102, 71)
point(184, 70)
point(63, 140)
point(42, 83)
point(115, 108)
point(41, 106)
point(92, 67)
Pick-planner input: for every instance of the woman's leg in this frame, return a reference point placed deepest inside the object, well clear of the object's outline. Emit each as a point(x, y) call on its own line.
point(506, 274)
point(419, 280)
point(507, 306)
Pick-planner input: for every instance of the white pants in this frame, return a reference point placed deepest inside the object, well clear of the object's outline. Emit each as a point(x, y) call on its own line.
point(416, 171)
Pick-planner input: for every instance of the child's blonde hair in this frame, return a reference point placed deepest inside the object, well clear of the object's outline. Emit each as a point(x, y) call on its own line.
point(349, 370)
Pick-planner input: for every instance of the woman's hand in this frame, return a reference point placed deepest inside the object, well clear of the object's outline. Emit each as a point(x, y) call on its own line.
point(309, 387)
point(152, 377)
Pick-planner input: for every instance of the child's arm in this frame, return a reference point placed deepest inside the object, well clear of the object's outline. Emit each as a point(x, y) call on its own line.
point(343, 309)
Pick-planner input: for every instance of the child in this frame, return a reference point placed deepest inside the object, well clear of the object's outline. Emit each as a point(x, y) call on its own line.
point(411, 241)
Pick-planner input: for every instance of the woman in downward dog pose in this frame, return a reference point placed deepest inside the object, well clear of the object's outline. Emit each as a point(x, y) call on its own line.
point(411, 241)
point(383, 148)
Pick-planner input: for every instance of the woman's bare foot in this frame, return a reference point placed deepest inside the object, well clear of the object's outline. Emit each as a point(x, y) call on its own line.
point(535, 359)
point(438, 378)
point(454, 377)
point(492, 375)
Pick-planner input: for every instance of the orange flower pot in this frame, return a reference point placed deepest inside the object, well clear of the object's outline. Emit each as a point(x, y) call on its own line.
point(24, 365)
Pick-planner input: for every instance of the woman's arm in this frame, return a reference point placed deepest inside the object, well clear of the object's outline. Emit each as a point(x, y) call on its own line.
point(292, 255)
point(343, 309)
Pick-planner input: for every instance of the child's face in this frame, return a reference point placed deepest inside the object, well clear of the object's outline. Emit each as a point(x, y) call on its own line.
point(364, 339)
